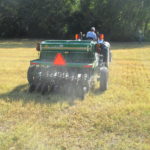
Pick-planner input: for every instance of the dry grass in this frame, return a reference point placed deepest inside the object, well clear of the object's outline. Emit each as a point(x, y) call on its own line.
point(118, 119)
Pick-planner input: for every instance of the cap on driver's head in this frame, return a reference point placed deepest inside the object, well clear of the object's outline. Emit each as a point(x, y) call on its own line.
point(93, 28)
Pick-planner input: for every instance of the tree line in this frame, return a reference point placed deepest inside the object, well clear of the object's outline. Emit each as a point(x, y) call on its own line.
point(119, 20)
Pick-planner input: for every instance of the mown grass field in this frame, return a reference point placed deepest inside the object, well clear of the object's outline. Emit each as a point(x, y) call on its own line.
point(118, 119)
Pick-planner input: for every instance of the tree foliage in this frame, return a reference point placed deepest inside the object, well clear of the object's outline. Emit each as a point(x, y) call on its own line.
point(118, 19)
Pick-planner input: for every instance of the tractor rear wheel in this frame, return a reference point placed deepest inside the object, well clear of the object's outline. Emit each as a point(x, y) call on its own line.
point(31, 74)
point(103, 78)
point(32, 88)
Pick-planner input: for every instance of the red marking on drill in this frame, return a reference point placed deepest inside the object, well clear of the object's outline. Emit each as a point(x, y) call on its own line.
point(34, 63)
point(59, 60)
point(87, 66)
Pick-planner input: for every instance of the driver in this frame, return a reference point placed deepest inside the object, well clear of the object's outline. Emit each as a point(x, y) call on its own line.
point(91, 34)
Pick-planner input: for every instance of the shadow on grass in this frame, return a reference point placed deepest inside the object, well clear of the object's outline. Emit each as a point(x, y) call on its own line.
point(98, 91)
point(21, 93)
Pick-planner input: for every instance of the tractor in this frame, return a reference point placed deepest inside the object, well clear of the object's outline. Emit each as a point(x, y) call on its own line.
point(71, 65)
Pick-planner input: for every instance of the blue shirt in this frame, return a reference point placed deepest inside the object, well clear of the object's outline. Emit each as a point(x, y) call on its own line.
point(92, 35)
point(100, 41)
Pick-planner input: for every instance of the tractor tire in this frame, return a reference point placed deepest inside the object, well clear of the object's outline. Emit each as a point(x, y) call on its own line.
point(80, 92)
point(44, 88)
point(32, 88)
point(110, 56)
point(31, 74)
point(106, 55)
point(107, 58)
point(103, 78)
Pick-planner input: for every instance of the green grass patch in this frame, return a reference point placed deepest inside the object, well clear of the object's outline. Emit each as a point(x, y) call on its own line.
point(118, 119)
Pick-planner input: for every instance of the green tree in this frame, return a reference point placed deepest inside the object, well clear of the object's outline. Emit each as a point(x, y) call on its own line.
point(117, 19)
